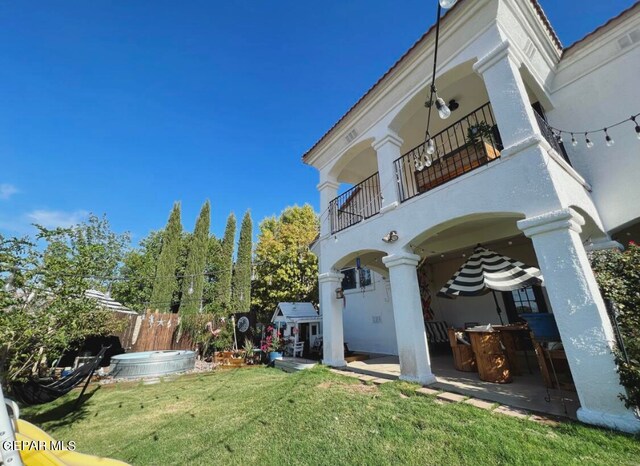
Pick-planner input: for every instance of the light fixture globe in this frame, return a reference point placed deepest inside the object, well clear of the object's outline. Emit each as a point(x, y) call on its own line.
point(447, 3)
point(431, 147)
point(443, 110)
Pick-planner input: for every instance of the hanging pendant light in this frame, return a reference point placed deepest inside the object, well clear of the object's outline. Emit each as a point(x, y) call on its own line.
point(574, 142)
point(559, 137)
point(431, 146)
point(447, 3)
point(637, 128)
point(419, 163)
point(428, 160)
point(607, 139)
point(443, 110)
point(588, 141)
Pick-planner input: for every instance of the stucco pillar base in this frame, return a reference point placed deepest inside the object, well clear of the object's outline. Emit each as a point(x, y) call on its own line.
point(625, 423)
point(423, 380)
point(415, 363)
point(332, 326)
point(603, 244)
point(581, 316)
point(336, 364)
point(389, 207)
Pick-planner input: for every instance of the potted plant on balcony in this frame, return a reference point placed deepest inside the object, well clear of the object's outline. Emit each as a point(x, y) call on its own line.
point(273, 344)
point(479, 132)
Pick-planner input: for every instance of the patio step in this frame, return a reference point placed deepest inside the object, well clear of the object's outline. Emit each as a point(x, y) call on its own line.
point(294, 364)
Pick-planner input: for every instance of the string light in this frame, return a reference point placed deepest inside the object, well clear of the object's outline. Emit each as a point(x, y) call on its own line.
point(588, 141)
point(607, 137)
point(637, 127)
point(431, 147)
point(608, 141)
point(443, 109)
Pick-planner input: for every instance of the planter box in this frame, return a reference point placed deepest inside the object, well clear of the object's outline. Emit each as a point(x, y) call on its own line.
point(455, 164)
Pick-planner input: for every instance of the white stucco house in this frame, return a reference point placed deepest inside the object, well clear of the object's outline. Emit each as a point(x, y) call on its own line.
point(515, 189)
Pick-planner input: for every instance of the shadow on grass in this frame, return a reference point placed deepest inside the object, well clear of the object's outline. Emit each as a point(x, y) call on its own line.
point(63, 414)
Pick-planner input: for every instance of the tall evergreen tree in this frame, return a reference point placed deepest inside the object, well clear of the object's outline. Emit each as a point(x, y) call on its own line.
point(241, 288)
point(165, 283)
point(212, 272)
point(222, 289)
point(193, 280)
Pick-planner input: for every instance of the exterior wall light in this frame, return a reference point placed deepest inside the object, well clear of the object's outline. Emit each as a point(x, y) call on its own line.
point(390, 237)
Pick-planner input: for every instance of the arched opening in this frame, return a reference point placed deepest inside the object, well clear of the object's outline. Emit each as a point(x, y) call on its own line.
point(522, 368)
point(368, 322)
point(359, 193)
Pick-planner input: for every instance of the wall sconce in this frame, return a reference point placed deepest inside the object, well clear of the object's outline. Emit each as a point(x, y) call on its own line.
point(339, 293)
point(390, 237)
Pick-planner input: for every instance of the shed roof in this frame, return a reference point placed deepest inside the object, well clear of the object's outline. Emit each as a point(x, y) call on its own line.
point(296, 311)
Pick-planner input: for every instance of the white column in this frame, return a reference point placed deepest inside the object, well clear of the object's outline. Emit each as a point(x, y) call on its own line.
point(582, 319)
point(415, 363)
point(508, 96)
point(388, 150)
point(328, 192)
point(332, 329)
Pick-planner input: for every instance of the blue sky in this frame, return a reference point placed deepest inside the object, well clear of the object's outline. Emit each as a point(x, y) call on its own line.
point(122, 107)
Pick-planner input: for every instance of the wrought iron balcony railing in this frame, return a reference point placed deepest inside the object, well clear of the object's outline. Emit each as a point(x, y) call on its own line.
point(551, 137)
point(358, 203)
point(467, 144)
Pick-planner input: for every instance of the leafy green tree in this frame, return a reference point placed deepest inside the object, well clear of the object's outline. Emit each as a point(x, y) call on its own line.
point(618, 275)
point(137, 273)
point(285, 268)
point(193, 279)
point(241, 288)
point(165, 283)
point(45, 310)
point(222, 287)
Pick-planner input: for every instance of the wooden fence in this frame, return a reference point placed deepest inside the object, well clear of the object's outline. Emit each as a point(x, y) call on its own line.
point(154, 331)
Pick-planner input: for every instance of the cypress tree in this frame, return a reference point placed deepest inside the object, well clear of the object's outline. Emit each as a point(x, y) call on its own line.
point(165, 283)
point(222, 294)
point(193, 280)
point(241, 288)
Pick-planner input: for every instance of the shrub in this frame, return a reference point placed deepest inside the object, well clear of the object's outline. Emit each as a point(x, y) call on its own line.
point(618, 275)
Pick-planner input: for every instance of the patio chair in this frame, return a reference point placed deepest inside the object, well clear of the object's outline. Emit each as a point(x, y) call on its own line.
point(298, 348)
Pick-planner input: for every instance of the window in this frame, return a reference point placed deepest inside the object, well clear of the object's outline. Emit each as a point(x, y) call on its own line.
point(365, 277)
point(524, 301)
point(314, 330)
point(349, 280)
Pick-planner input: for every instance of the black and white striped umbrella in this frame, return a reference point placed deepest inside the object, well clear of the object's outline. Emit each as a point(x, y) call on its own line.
point(486, 270)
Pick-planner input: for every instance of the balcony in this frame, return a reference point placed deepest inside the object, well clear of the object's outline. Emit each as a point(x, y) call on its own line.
point(355, 205)
point(469, 143)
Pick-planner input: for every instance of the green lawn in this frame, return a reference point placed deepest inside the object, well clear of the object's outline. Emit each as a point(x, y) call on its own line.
point(265, 416)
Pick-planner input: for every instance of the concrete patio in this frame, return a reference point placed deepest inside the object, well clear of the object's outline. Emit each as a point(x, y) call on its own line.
point(527, 391)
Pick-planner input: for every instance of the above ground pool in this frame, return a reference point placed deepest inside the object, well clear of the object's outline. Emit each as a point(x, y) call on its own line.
point(151, 363)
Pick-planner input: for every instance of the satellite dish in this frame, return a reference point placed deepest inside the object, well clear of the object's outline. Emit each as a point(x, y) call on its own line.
point(243, 324)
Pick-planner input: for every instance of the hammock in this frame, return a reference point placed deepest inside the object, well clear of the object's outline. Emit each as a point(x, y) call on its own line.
point(37, 393)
